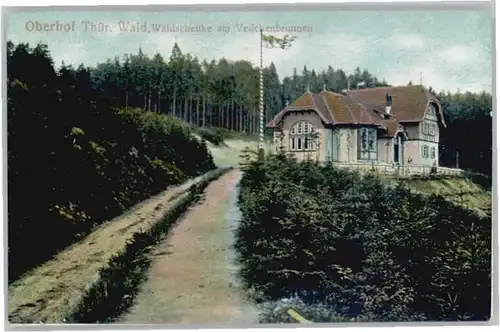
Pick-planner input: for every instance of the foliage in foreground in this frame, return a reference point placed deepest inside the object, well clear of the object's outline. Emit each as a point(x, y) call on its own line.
point(75, 162)
point(338, 240)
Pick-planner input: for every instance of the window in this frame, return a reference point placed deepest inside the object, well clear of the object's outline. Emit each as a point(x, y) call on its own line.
point(433, 152)
point(425, 151)
point(432, 110)
point(429, 128)
point(303, 137)
point(367, 143)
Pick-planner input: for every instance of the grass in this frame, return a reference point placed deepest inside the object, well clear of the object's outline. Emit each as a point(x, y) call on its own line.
point(459, 190)
point(48, 292)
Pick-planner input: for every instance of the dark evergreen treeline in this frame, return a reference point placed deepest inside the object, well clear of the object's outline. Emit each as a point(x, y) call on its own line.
point(469, 135)
point(218, 93)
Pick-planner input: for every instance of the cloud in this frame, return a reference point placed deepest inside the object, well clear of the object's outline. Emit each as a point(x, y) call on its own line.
point(408, 41)
point(242, 47)
point(317, 52)
point(162, 43)
point(342, 48)
point(314, 51)
point(430, 76)
point(460, 54)
point(439, 77)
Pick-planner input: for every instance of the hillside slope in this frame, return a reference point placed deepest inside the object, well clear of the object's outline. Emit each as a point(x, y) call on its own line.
point(459, 190)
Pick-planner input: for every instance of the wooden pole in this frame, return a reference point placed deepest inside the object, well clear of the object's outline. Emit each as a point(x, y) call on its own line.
point(261, 104)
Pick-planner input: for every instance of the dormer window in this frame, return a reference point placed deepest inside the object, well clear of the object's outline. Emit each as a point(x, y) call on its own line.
point(432, 110)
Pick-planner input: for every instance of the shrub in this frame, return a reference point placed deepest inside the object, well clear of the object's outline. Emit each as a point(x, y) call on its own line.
point(210, 135)
point(335, 237)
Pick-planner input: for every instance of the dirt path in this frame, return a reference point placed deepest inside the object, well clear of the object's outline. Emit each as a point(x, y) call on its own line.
point(46, 293)
point(192, 276)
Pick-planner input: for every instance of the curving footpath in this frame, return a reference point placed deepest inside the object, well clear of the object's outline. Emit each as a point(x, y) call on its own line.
point(192, 278)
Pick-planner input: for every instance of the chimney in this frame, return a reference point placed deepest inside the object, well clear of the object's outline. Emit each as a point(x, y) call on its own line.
point(388, 103)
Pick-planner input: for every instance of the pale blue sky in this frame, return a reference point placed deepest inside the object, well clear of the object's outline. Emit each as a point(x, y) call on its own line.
point(452, 49)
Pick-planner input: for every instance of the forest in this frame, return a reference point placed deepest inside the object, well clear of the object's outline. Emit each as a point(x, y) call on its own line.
point(86, 143)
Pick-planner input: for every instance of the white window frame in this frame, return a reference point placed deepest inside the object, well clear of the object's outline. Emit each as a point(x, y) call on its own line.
point(302, 137)
point(429, 128)
point(368, 153)
point(425, 151)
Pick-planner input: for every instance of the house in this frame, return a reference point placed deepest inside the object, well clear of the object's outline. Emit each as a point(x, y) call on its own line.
point(388, 127)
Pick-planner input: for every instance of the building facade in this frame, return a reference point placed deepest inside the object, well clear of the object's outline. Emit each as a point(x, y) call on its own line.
point(385, 127)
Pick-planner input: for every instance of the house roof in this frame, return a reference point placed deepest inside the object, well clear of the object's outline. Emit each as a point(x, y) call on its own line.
point(366, 106)
point(308, 101)
point(409, 103)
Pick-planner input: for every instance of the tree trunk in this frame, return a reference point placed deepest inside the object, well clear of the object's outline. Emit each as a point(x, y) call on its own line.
point(159, 102)
point(197, 109)
point(237, 117)
point(229, 113)
point(184, 116)
point(209, 105)
point(190, 111)
point(149, 97)
point(173, 105)
point(257, 120)
point(249, 121)
point(233, 113)
point(204, 111)
point(241, 119)
point(252, 120)
point(221, 115)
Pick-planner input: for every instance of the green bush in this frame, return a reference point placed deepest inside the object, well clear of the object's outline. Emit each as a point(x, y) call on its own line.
point(211, 135)
point(336, 238)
